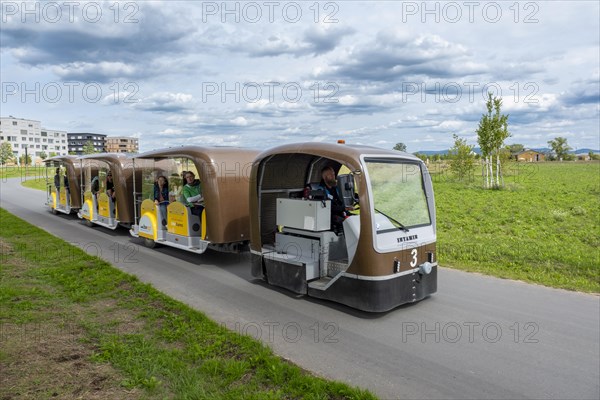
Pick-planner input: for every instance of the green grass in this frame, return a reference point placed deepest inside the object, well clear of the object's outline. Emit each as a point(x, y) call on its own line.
point(543, 227)
point(35, 183)
point(21, 172)
point(155, 347)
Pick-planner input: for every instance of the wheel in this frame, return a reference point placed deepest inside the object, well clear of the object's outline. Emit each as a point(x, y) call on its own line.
point(149, 243)
point(89, 223)
point(54, 211)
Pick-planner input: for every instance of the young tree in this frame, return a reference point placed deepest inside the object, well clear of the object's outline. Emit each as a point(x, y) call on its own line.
point(88, 148)
point(6, 152)
point(52, 154)
point(421, 156)
point(25, 160)
point(491, 134)
point(400, 147)
point(461, 157)
point(43, 155)
point(515, 148)
point(560, 147)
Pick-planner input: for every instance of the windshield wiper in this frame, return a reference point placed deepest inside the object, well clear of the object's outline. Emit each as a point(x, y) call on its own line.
point(400, 225)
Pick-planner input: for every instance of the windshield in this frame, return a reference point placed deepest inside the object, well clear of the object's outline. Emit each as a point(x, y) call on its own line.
point(398, 194)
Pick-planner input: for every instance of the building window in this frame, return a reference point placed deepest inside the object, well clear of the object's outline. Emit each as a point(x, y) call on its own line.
point(14, 123)
point(23, 131)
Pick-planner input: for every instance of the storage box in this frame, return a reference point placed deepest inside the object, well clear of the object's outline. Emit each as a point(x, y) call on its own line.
point(310, 215)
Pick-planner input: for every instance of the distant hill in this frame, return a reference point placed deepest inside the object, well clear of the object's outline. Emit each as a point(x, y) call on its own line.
point(477, 150)
point(585, 151)
point(432, 152)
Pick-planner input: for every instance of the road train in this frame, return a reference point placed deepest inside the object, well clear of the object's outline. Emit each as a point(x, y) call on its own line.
point(350, 224)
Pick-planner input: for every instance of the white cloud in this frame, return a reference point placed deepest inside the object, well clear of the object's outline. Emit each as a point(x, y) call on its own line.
point(239, 121)
point(367, 55)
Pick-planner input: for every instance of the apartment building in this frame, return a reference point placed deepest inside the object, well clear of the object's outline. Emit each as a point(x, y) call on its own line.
point(29, 134)
point(121, 144)
point(78, 140)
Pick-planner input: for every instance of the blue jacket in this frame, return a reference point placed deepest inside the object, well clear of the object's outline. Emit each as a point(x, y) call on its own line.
point(337, 202)
point(165, 193)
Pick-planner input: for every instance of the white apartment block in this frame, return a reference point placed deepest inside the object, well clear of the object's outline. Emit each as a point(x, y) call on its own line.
point(28, 134)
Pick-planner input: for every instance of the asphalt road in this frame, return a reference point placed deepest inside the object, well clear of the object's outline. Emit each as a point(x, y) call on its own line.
point(478, 337)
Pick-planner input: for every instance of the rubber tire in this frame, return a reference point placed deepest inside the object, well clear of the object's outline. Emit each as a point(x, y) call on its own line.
point(89, 223)
point(149, 243)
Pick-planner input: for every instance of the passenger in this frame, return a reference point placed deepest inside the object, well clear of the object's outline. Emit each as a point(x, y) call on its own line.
point(338, 209)
point(57, 180)
point(67, 189)
point(110, 187)
point(179, 191)
point(161, 195)
point(95, 186)
point(192, 193)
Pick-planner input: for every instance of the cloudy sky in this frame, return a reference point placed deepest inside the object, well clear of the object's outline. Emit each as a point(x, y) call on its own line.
point(260, 73)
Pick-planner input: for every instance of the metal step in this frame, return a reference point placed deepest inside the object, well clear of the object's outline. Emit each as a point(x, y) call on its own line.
point(324, 283)
point(334, 268)
point(321, 284)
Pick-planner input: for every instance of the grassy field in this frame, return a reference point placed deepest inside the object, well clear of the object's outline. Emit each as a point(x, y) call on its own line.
point(544, 227)
point(16, 172)
point(72, 327)
point(36, 183)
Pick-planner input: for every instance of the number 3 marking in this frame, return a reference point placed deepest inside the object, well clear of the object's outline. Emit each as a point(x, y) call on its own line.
point(413, 263)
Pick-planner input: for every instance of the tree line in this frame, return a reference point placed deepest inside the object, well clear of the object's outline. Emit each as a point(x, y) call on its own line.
point(492, 133)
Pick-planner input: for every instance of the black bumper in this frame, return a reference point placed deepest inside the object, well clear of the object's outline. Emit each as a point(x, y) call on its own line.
point(379, 295)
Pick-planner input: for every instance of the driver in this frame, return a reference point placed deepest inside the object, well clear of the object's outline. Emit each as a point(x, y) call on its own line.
point(329, 185)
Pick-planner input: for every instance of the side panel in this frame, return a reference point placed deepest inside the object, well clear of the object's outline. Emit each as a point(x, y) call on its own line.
point(177, 219)
point(148, 224)
point(103, 205)
point(87, 209)
point(63, 196)
point(288, 275)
